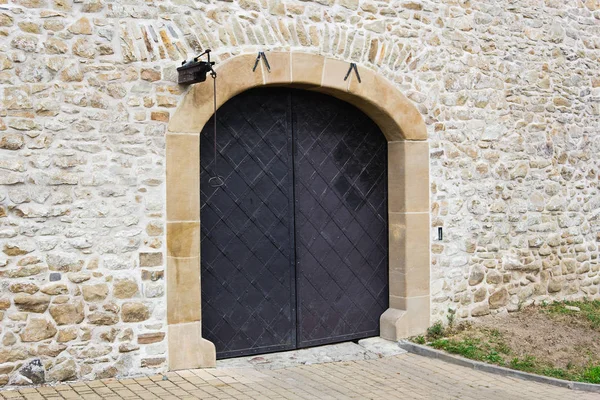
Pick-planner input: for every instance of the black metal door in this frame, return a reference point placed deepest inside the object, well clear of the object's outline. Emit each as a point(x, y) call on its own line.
point(277, 273)
point(248, 280)
point(341, 220)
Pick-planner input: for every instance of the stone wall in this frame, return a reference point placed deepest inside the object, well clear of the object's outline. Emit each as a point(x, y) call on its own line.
point(510, 91)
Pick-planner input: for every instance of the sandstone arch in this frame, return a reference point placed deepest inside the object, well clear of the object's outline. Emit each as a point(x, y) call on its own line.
point(408, 183)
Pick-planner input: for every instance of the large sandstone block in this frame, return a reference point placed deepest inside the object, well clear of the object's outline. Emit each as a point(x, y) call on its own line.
point(96, 292)
point(64, 371)
point(38, 329)
point(125, 288)
point(103, 318)
point(37, 303)
point(134, 312)
point(69, 313)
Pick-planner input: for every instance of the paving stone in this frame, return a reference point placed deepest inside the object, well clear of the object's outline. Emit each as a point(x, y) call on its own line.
point(403, 376)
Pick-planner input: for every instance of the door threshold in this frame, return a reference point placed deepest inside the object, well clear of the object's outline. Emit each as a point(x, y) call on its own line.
point(366, 349)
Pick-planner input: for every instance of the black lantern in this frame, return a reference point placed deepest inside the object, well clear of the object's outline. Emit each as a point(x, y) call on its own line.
point(195, 70)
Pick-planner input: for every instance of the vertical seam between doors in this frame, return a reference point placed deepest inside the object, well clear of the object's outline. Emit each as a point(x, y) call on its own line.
point(293, 211)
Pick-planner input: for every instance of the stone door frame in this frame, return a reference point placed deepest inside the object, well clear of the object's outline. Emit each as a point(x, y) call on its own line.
point(408, 190)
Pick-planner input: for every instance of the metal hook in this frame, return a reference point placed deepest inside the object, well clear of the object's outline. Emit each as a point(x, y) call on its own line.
point(261, 54)
point(355, 68)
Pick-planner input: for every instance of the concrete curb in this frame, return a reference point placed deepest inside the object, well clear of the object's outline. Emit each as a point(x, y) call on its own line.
point(429, 352)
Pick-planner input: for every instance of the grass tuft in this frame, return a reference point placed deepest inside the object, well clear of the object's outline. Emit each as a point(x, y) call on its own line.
point(472, 348)
point(489, 345)
point(591, 374)
point(419, 339)
point(436, 331)
point(527, 364)
point(589, 309)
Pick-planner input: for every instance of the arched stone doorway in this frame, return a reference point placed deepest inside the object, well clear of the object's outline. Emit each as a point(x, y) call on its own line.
point(408, 198)
point(295, 243)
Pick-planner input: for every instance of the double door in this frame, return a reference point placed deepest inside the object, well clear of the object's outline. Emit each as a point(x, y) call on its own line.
point(295, 243)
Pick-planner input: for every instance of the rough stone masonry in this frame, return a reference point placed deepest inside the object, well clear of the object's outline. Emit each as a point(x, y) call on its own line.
point(509, 89)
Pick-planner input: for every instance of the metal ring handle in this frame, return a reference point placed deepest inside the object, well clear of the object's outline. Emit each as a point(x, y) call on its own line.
point(216, 181)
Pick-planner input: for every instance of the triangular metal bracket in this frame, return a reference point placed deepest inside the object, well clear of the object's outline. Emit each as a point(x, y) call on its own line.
point(261, 54)
point(355, 68)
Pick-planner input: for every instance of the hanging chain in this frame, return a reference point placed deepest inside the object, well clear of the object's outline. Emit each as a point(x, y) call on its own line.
point(216, 180)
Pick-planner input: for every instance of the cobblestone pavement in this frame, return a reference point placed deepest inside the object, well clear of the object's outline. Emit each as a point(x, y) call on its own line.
point(405, 376)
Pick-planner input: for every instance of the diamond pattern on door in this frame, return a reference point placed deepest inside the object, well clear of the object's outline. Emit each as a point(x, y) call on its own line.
point(341, 221)
point(294, 246)
point(248, 289)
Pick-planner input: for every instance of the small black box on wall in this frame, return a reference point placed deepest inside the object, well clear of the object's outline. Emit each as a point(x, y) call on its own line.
point(193, 72)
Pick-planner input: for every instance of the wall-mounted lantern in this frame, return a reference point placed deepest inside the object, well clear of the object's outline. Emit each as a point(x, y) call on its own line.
point(195, 70)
